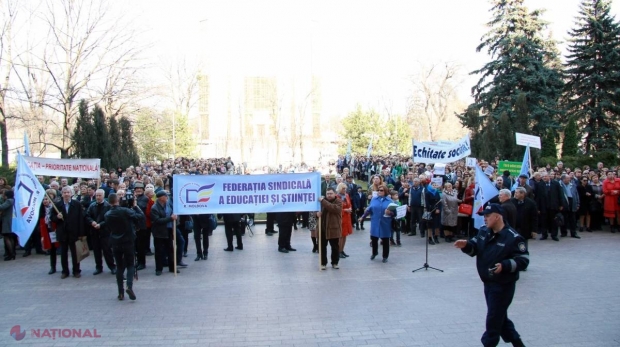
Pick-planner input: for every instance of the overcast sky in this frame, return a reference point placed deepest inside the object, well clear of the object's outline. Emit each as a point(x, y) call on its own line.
point(365, 51)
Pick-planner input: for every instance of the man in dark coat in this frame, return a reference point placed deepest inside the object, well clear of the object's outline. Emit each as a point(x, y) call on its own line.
point(553, 204)
point(527, 214)
point(359, 201)
point(232, 228)
point(510, 212)
point(285, 222)
point(95, 217)
point(121, 221)
point(161, 226)
point(69, 227)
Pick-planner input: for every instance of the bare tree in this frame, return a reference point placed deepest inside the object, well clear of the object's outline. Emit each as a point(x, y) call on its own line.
point(434, 98)
point(8, 15)
point(181, 89)
point(275, 100)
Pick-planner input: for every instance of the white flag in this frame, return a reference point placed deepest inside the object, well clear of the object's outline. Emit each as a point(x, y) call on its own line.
point(484, 191)
point(28, 197)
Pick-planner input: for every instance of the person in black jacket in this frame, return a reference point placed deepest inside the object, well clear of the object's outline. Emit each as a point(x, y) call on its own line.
point(510, 212)
point(359, 200)
point(202, 228)
point(232, 228)
point(69, 219)
point(99, 233)
point(285, 222)
point(500, 254)
point(553, 205)
point(161, 226)
point(121, 221)
point(527, 214)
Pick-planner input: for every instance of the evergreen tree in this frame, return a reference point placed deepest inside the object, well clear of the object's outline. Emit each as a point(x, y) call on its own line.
point(103, 149)
point(506, 145)
point(153, 135)
point(360, 126)
point(549, 149)
point(115, 141)
point(488, 148)
point(184, 143)
point(521, 123)
point(593, 72)
point(127, 143)
point(570, 146)
point(84, 144)
point(518, 53)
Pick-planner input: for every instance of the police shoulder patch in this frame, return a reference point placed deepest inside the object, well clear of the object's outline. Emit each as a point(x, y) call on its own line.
point(522, 246)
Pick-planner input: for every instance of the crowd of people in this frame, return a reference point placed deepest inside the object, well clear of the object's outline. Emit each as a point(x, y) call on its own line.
point(554, 201)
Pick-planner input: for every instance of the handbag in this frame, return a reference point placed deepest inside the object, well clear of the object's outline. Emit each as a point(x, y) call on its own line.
point(212, 222)
point(81, 248)
point(189, 225)
point(466, 209)
point(427, 216)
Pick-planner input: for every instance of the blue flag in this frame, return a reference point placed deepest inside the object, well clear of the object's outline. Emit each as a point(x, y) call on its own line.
point(525, 167)
point(26, 145)
point(348, 156)
point(28, 197)
point(369, 151)
point(483, 192)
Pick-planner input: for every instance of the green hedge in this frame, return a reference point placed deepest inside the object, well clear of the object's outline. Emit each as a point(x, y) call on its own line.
point(608, 158)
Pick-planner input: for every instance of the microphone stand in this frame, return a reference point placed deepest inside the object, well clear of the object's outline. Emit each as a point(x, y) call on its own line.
point(426, 266)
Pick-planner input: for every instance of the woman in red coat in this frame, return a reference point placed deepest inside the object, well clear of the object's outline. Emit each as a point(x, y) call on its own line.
point(469, 192)
point(611, 189)
point(347, 208)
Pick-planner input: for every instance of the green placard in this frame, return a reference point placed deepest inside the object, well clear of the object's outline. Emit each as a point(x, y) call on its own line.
point(513, 166)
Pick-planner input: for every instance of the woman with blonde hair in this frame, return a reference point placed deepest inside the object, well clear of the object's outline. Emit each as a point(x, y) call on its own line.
point(347, 209)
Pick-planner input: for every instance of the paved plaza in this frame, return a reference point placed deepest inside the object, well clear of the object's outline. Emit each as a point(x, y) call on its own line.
point(570, 296)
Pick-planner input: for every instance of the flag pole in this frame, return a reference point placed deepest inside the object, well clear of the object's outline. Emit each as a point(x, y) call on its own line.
point(320, 242)
point(174, 246)
point(529, 156)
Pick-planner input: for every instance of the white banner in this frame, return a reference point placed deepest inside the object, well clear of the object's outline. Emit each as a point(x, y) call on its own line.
point(441, 151)
point(439, 169)
point(528, 140)
point(201, 194)
point(85, 168)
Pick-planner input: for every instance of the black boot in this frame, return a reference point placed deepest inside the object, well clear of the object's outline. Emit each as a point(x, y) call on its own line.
point(436, 239)
point(315, 247)
point(430, 241)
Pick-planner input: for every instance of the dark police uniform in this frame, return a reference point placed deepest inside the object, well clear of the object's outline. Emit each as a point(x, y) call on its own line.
point(508, 248)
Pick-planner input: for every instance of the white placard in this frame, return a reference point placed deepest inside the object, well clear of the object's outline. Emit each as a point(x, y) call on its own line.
point(439, 169)
point(401, 211)
point(531, 140)
point(53, 236)
point(489, 170)
point(375, 194)
point(438, 180)
point(471, 162)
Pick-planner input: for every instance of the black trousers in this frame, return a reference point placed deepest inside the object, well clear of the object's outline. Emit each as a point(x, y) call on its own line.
point(101, 246)
point(67, 246)
point(124, 256)
point(284, 236)
point(271, 219)
point(34, 241)
point(375, 246)
point(10, 244)
point(204, 233)
point(359, 212)
point(143, 242)
point(416, 218)
point(304, 219)
point(550, 226)
point(163, 249)
point(570, 221)
point(333, 244)
point(232, 229)
point(185, 233)
point(53, 256)
point(498, 297)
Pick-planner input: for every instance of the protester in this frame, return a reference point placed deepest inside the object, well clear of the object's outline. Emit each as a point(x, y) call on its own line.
point(380, 222)
point(330, 218)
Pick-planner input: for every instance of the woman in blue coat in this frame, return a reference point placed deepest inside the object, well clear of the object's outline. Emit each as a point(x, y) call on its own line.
point(380, 226)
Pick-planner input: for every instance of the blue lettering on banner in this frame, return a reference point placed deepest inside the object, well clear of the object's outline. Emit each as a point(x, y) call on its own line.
point(199, 194)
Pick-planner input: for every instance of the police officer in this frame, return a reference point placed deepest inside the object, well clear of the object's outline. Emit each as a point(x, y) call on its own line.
point(501, 253)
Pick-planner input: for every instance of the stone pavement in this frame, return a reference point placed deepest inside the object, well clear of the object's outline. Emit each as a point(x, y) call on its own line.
point(259, 297)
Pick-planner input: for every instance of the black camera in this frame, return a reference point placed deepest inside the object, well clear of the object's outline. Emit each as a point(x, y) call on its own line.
point(127, 200)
